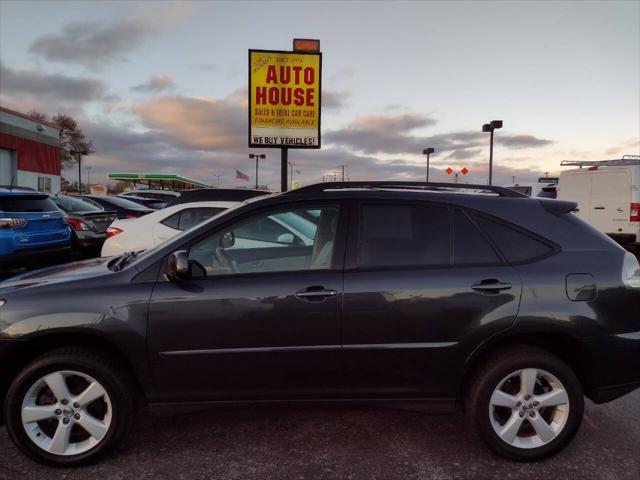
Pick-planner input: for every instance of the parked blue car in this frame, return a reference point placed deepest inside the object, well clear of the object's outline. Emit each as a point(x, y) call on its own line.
point(31, 226)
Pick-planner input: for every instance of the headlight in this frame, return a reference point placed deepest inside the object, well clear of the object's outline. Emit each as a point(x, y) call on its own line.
point(2, 302)
point(631, 271)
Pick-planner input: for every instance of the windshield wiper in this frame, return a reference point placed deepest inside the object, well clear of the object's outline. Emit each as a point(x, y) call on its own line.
point(122, 260)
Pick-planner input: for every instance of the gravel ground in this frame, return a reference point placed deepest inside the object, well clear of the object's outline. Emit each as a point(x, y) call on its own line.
point(318, 442)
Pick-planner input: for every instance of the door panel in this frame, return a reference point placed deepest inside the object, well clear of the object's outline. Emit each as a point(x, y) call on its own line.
point(423, 287)
point(407, 332)
point(245, 337)
point(268, 334)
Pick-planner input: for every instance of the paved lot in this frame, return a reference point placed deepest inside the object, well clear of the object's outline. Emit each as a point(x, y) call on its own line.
point(329, 442)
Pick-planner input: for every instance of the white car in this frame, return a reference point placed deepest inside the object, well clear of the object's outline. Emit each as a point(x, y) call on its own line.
point(134, 234)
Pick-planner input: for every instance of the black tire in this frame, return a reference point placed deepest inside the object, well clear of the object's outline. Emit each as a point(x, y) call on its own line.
point(493, 371)
point(99, 366)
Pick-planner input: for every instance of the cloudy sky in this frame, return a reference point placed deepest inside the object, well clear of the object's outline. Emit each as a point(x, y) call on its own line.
point(162, 86)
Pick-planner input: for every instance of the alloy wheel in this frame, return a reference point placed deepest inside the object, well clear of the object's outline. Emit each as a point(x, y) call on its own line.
point(66, 412)
point(529, 408)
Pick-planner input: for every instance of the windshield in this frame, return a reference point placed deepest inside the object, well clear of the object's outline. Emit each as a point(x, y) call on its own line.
point(70, 204)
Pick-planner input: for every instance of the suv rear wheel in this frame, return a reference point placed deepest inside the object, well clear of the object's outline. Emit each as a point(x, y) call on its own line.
point(525, 403)
point(68, 407)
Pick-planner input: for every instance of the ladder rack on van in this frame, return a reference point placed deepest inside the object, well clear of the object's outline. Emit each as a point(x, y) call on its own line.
point(626, 160)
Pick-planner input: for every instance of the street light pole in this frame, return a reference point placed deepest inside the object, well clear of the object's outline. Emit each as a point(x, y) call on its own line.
point(427, 152)
point(490, 127)
point(257, 156)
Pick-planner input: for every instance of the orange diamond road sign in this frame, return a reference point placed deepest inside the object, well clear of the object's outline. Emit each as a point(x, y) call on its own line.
point(464, 171)
point(449, 171)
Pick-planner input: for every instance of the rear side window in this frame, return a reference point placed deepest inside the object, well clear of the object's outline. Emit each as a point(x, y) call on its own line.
point(517, 246)
point(193, 216)
point(403, 235)
point(27, 203)
point(470, 247)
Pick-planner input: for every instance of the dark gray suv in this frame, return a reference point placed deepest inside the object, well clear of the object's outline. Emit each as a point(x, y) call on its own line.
point(389, 292)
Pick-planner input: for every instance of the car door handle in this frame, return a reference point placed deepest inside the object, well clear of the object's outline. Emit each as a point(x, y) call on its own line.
point(315, 294)
point(598, 208)
point(490, 286)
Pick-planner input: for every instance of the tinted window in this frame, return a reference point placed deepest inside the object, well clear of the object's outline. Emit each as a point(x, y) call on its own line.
point(193, 216)
point(27, 203)
point(399, 235)
point(470, 247)
point(172, 221)
point(70, 204)
point(548, 192)
point(514, 244)
point(265, 243)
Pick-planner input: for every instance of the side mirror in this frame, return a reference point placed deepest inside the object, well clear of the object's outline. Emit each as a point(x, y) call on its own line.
point(287, 238)
point(178, 265)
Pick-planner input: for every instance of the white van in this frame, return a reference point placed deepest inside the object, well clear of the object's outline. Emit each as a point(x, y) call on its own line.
point(608, 195)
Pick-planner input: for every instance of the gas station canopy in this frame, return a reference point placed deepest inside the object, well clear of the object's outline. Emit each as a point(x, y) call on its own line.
point(158, 180)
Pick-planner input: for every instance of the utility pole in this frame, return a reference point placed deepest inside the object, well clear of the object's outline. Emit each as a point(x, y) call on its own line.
point(342, 172)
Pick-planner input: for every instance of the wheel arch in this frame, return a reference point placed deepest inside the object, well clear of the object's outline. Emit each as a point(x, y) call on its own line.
point(563, 345)
point(27, 350)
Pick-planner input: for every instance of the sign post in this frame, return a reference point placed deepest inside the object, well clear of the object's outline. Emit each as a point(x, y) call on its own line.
point(285, 99)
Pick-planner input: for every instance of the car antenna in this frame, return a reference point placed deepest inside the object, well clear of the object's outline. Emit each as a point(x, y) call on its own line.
point(13, 177)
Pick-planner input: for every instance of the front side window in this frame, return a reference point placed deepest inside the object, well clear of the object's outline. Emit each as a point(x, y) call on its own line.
point(404, 235)
point(284, 240)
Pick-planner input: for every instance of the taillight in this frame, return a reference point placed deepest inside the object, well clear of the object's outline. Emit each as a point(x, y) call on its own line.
point(111, 231)
point(631, 271)
point(78, 225)
point(132, 215)
point(8, 223)
point(634, 216)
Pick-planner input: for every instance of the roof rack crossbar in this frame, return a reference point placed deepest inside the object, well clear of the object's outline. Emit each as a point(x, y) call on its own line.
point(626, 160)
point(390, 184)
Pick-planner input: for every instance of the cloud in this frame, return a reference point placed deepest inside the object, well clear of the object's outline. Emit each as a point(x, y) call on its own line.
point(463, 154)
point(391, 133)
point(96, 44)
point(156, 83)
point(197, 123)
point(34, 89)
point(521, 141)
point(334, 100)
point(91, 44)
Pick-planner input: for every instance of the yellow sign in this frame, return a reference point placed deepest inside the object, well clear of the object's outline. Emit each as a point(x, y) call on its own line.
point(284, 99)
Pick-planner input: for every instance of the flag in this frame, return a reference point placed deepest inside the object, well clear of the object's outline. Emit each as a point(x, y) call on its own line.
point(241, 176)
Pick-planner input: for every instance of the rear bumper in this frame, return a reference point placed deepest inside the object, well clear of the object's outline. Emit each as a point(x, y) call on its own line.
point(18, 258)
point(88, 240)
point(617, 366)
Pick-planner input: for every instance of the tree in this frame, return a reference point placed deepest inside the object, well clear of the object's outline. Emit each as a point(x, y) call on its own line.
point(72, 138)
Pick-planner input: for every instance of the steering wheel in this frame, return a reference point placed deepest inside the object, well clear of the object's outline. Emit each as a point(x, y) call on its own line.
point(226, 261)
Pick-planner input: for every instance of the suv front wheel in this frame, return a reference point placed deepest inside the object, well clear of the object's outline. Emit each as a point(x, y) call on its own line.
point(525, 403)
point(68, 407)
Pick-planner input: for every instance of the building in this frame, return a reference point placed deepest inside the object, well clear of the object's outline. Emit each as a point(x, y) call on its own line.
point(29, 152)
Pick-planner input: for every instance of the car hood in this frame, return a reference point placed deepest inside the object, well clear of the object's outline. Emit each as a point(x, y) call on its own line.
point(83, 269)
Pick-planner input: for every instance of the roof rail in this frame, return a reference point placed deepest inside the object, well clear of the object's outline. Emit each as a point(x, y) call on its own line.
point(625, 160)
point(391, 184)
